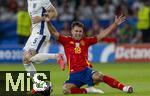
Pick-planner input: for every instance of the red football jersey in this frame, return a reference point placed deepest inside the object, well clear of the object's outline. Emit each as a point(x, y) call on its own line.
point(77, 52)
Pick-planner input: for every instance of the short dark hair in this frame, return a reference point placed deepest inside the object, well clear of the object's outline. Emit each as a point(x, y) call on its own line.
point(77, 23)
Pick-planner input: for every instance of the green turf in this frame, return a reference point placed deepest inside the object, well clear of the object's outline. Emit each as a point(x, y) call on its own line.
point(137, 75)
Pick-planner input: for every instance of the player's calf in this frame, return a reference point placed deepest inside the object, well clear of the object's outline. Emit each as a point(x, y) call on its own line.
point(70, 88)
point(67, 89)
point(29, 67)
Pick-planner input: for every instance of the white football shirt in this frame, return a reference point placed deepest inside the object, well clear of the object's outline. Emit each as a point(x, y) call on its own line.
point(38, 8)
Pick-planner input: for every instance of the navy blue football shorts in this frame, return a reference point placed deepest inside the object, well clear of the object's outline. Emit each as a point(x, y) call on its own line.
point(81, 78)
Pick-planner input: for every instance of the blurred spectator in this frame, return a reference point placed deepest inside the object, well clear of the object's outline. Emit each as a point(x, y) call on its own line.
point(87, 11)
point(96, 10)
point(66, 29)
point(66, 15)
point(66, 11)
point(108, 6)
point(7, 16)
point(144, 21)
point(127, 33)
point(3, 3)
point(12, 6)
point(121, 9)
point(96, 28)
point(23, 25)
point(108, 12)
point(136, 6)
point(115, 2)
point(83, 10)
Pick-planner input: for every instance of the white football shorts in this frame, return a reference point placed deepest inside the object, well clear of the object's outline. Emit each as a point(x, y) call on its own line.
point(36, 42)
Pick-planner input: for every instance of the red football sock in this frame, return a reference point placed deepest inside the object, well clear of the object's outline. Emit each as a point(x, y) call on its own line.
point(113, 82)
point(78, 91)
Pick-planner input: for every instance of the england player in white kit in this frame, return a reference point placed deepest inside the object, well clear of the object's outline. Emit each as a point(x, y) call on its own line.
point(39, 36)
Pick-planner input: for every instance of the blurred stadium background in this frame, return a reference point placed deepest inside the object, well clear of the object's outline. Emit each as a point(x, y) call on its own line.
point(130, 42)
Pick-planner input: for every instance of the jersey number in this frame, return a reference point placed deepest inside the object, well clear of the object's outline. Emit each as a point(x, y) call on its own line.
point(35, 40)
point(77, 50)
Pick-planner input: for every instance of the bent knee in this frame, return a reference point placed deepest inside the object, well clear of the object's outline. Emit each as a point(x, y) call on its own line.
point(97, 76)
point(27, 56)
point(67, 88)
point(66, 91)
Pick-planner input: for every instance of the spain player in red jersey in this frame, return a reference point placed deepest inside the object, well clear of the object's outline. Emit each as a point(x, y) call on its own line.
point(76, 50)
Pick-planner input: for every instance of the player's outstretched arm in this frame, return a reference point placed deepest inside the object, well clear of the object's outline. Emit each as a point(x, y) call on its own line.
point(53, 30)
point(107, 31)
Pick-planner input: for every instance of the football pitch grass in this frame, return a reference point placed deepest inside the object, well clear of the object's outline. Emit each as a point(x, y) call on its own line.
point(135, 74)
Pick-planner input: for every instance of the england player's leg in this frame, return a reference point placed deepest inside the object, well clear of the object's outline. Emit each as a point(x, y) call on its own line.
point(30, 50)
point(99, 77)
point(35, 44)
point(43, 55)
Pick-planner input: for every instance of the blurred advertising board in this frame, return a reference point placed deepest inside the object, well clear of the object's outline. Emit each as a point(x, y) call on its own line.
point(10, 54)
point(97, 53)
point(133, 53)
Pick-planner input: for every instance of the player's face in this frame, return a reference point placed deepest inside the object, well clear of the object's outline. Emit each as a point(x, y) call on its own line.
point(77, 32)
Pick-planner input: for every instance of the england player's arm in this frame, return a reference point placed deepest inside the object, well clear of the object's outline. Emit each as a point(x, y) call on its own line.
point(107, 31)
point(50, 13)
point(53, 30)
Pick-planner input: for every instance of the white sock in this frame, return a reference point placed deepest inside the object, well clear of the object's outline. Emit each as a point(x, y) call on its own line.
point(31, 69)
point(93, 90)
point(43, 57)
point(126, 88)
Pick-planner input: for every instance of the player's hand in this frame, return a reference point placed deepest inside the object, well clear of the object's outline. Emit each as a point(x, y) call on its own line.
point(120, 19)
point(37, 19)
point(46, 17)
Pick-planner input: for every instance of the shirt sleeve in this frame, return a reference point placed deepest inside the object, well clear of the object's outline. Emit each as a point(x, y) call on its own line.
point(63, 39)
point(47, 4)
point(91, 40)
